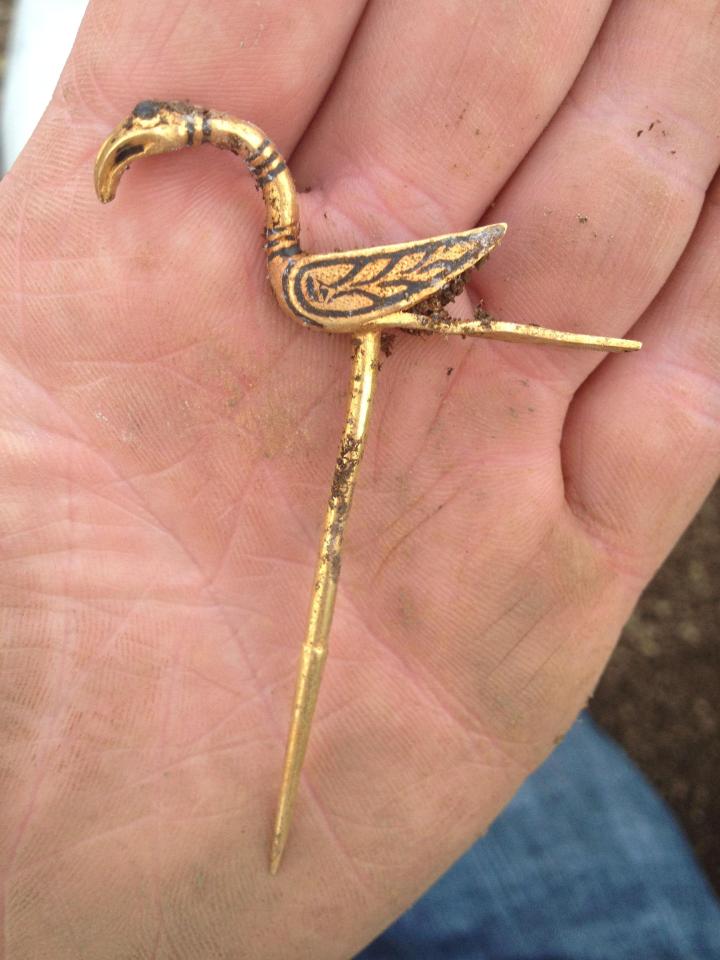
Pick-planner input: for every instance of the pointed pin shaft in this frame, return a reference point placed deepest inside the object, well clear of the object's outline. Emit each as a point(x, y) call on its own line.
point(314, 652)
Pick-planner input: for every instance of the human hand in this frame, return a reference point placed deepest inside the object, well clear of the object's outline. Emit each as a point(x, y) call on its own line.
point(170, 435)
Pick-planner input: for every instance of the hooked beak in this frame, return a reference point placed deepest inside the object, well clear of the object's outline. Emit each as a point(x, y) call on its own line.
point(152, 127)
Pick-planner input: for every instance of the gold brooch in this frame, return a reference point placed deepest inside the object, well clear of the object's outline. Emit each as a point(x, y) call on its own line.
point(360, 292)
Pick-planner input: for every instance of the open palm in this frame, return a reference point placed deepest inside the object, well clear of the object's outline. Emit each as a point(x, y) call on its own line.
point(168, 439)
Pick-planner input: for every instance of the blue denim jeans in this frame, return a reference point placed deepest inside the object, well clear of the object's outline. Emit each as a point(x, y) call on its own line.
point(586, 863)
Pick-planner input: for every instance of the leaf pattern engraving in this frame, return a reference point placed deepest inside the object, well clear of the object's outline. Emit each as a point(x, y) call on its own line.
point(363, 284)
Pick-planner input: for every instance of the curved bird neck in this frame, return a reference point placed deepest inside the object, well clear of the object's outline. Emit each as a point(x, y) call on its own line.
point(269, 169)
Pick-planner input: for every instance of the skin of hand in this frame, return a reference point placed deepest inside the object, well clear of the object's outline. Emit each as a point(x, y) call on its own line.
point(168, 438)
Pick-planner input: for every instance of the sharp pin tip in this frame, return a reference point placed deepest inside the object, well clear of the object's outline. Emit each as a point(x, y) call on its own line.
point(276, 855)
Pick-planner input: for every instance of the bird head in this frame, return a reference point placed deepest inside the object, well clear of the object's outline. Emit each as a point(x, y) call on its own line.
point(154, 126)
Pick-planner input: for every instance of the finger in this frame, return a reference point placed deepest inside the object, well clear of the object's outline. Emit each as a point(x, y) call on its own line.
point(446, 115)
point(641, 446)
point(607, 200)
point(271, 64)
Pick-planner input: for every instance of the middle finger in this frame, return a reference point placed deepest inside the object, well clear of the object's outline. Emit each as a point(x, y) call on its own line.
point(434, 107)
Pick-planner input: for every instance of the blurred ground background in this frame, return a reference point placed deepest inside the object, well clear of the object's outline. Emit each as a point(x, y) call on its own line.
point(5, 12)
point(660, 695)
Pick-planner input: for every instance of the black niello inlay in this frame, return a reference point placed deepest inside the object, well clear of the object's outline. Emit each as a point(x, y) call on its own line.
point(276, 233)
point(261, 167)
point(146, 109)
point(280, 239)
point(190, 121)
point(206, 128)
point(292, 251)
point(268, 178)
point(254, 154)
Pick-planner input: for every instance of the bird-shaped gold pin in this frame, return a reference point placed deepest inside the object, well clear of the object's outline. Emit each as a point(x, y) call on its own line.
point(359, 292)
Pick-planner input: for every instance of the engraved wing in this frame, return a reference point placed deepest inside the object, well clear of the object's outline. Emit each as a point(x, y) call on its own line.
point(361, 285)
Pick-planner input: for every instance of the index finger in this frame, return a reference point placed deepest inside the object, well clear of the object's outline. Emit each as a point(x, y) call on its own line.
point(271, 65)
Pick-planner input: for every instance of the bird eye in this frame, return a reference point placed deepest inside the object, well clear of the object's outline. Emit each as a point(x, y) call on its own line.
point(146, 109)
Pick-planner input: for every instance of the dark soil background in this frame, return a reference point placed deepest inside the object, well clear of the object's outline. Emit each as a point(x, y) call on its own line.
point(660, 695)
